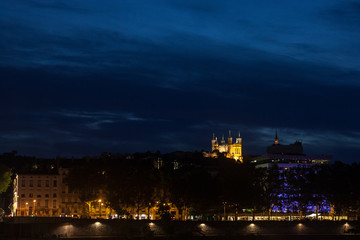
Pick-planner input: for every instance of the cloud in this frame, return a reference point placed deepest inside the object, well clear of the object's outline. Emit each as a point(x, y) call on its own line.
point(95, 120)
point(345, 15)
point(101, 115)
point(127, 77)
point(56, 5)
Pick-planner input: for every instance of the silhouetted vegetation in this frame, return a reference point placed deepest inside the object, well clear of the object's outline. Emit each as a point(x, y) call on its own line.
point(5, 178)
point(209, 187)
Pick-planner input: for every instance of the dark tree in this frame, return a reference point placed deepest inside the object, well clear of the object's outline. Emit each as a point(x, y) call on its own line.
point(5, 178)
point(132, 185)
point(272, 185)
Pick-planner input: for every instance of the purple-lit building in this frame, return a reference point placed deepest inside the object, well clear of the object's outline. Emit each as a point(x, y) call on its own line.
point(293, 166)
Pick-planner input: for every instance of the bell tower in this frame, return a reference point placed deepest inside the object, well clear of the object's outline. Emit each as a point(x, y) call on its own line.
point(237, 146)
point(229, 138)
point(214, 143)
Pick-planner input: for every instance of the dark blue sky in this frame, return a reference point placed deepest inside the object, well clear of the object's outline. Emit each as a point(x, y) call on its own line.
point(83, 77)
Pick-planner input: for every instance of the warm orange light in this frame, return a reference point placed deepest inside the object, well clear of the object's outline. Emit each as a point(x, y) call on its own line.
point(34, 200)
point(99, 200)
point(26, 203)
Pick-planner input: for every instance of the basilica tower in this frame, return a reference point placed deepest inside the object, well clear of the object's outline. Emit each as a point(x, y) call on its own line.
point(237, 149)
point(214, 143)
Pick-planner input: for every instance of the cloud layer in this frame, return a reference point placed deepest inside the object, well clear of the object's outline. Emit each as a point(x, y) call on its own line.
point(126, 76)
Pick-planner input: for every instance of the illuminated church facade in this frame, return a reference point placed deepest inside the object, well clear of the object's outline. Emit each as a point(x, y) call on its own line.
point(230, 149)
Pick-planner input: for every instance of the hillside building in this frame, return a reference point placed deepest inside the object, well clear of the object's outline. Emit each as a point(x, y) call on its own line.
point(286, 156)
point(230, 149)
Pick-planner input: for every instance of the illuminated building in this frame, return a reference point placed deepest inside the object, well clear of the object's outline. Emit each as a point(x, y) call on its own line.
point(70, 204)
point(229, 149)
point(36, 193)
point(41, 191)
point(291, 161)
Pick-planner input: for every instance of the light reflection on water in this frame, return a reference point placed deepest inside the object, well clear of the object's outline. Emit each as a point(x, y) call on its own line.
point(208, 230)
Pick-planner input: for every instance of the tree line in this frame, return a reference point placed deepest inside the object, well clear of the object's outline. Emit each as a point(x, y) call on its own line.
point(212, 187)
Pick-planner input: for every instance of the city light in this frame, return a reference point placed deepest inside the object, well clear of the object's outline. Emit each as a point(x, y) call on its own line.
point(142, 105)
point(300, 226)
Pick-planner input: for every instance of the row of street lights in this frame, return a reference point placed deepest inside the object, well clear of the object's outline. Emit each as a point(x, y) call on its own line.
point(27, 207)
point(34, 201)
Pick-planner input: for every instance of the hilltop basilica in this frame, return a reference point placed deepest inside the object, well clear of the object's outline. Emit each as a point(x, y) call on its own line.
point(229, 149)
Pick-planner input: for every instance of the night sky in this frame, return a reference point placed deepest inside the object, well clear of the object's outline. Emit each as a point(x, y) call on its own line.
point(83, 77)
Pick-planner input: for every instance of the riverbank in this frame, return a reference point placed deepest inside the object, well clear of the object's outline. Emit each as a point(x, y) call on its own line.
point(47, 228)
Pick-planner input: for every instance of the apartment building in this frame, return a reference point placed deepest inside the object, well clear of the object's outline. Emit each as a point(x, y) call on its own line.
point(42, 191)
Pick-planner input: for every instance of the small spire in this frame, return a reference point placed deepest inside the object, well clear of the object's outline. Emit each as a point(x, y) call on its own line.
point(239, 134)
point(213, 136)
point(276, 137)
point(223, 137)
point(229, 133)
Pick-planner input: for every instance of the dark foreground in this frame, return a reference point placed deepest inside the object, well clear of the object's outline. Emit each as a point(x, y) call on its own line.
point(272, 237)
point(62, 228)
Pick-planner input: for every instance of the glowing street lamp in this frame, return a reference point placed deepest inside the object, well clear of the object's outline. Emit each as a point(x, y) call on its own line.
point(34, 207)
point(100, 207)
point(224, 203)
point(26, 208)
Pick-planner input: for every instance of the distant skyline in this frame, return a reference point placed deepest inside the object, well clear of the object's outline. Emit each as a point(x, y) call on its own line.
point(84, 77)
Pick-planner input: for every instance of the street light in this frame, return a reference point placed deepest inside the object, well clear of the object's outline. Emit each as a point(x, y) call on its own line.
point(18, 205)
point(100, 207)
point(34, 207)
point(224, 210)
point(102, 204)
point(26, 209)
